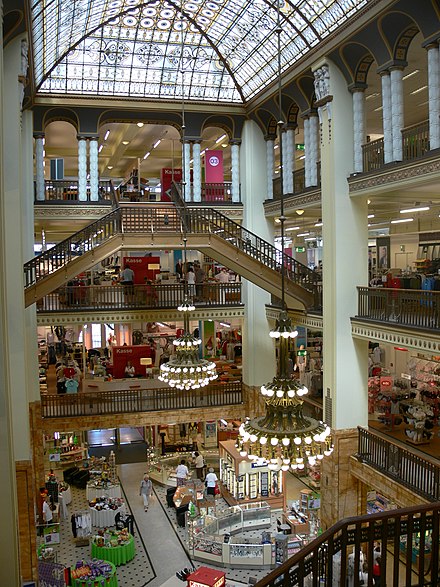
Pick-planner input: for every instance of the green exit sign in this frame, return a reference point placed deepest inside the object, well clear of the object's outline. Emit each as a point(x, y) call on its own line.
point(300, 249)
point(299, 146)
point(301, 353)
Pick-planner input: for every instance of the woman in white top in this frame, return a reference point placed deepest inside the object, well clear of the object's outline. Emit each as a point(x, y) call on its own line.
point(210, 482)
point(130, 371)
point(191, 281)
point(181, 473)
point(47, 512)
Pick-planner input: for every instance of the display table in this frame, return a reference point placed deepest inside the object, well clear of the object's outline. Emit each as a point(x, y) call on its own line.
point(105, 517)
point(99, 581)
point(118, 555)
point(93, 491)
point(67, 495)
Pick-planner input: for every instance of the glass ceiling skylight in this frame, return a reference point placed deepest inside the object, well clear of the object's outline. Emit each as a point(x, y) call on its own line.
point(129, 48)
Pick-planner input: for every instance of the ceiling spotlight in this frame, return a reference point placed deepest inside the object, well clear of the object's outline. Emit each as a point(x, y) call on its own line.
point(299, 212)
point(319, 223)
point(125, 142)
point(277, 221)
point(416, 209)
point(370, 216)
point(109, 166)
point(140, 124)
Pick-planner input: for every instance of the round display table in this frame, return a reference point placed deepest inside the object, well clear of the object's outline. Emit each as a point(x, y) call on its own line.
point(105, 517)
point(93, 491)
point(99, 581)
point(117, 555)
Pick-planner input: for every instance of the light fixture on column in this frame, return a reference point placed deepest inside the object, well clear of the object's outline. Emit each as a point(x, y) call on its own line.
point(283, 436)
point(185, 369)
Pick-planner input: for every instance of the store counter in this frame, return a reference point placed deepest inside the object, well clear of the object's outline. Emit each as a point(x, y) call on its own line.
point(118, 555)
point(109, 580)
point(95, 490)
point(105, 517)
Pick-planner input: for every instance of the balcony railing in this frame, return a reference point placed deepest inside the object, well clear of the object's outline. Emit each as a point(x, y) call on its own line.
point(138, 297)
point(217, 192)
point(408, 543)
point(414, 472)
point(140, 400)
point(406, 307)
point(210, 192)
point(415, 144)
point(299, 182)
point(66, 192)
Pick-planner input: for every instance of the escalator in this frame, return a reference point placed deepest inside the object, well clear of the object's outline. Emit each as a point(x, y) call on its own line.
point(156, 227)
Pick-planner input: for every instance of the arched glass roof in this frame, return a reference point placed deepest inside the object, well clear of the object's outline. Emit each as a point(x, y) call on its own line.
point(217, 50)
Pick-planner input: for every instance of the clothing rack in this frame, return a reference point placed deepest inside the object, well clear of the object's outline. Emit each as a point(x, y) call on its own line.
point(81, 527)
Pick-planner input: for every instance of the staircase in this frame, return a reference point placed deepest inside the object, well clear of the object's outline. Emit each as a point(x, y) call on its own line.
point(152, 226)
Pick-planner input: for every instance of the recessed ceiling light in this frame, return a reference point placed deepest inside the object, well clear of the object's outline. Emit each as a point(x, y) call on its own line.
point(109, 166)
point(293, 228)
point(224, 145)
point(371, 96)
point(220, 139)
point(410, 74)
point(303, 234)
point(402, 220)
point(100, 148)
point(125, 142)
point(299, 212)
point(370, 216)
point(157, 143)
point(106, 135)
point(378, 109)
point(147, 155)
point(419, 90)
point(318, 224)
point(140, 124)
point(277, 221)
point(415, 209)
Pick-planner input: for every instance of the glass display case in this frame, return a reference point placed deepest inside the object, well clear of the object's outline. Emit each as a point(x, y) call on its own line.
point(256, 515)
point(253, 486)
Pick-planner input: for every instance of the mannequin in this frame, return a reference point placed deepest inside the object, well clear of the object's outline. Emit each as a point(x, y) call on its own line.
point(301, 363)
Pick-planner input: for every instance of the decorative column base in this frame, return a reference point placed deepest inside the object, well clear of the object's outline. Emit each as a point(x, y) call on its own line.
point(339, 489)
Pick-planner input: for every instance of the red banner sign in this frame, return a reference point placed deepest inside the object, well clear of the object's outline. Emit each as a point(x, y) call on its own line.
point(167, 176)
point(214, 175)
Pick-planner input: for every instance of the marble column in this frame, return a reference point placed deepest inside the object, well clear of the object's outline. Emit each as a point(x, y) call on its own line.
point(290, 145)
point(258, 347)
point(284, 167)
point(270, 163)
point(387, 116)
point(14, 408)
point(82, 169)
point(434, 95)
point(345, 236)
point(235, 171)
point(94, 169)
point(40, 192)
point(186, 177)
point(359, 138)
point(307, 152)
point(197, 172)
point(397, 122)
point(314, 148)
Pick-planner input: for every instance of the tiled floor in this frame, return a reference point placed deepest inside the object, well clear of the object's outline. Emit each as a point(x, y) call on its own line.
point(160, 542)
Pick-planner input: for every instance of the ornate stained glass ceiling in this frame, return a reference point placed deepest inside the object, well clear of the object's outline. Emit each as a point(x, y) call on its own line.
point(130, 48)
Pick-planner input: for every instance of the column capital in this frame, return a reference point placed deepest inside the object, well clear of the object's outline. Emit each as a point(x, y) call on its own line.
point(357, 87)
point(39, 135)
point(310, 113)
point(235, 142)
point(431, 42)
point(394, 64)
point(290, 126)
point(268, 138)
point(87, 137)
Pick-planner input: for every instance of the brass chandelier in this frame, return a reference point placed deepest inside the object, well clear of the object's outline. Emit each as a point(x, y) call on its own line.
point(185, 369)
point(284, 437)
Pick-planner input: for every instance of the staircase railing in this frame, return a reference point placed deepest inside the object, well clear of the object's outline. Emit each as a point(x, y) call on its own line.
point(335, 558)
point(155, 219)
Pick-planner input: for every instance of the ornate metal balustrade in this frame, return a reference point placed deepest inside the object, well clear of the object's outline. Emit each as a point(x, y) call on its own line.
point(406, 307)
point(414, 472)
point(334, 558)
point(66, 192)
point(137, 297)
point(140, 400)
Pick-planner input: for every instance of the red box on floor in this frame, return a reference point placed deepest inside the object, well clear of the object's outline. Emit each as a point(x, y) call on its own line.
point(206, 577)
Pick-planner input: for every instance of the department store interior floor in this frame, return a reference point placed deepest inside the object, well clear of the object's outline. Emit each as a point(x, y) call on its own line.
point(159, 540)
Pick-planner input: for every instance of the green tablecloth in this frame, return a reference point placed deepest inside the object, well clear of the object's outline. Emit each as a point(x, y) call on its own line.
point(112, 581)
point(118, 555)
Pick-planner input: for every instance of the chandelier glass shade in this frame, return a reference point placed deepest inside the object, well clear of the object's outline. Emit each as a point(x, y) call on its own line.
point(185, 369)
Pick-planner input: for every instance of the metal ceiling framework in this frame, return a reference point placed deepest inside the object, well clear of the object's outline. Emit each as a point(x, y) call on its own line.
point(134, 49)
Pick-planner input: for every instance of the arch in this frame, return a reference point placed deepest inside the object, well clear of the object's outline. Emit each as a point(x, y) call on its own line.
point(357, 60)
point(13, 24)
point(226, 123)
point(167, 118)
point(266, 121)
point(307, 88)
point(63, 114)
point(398, 29)
point(292, 114)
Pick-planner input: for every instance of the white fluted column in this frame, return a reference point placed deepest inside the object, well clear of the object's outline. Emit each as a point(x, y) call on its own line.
point(434, 95)
point(358, 127)
point(82, 169)
point(290, 159)
point(39, 168)
point(307, 152)
point(197, 173)
point(314, 148)
point(235, 171)
point(94, 169)
point(284, 163)
point(187, 170)
point(270, 163)
point(397, 122)
point(387, 117)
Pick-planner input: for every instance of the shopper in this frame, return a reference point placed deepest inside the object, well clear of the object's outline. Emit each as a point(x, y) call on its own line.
point(200, 278)
point(182, 473)
point(191, 280)
point(127, 280)
point(47, 512)
point(146, 490)
point(130, 371)
point(211, 482)
point(199, 463)
point(377, 571)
